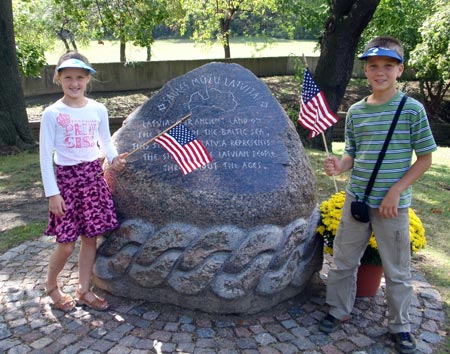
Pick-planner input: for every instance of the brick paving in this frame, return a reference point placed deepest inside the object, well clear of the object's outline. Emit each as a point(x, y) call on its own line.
point(28, 324)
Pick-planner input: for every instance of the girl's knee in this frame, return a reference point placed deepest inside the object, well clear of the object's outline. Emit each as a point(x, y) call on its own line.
point(66, 249)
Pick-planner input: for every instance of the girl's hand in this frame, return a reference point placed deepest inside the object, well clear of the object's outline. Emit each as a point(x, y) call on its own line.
point(56, 205)
point(119, 162)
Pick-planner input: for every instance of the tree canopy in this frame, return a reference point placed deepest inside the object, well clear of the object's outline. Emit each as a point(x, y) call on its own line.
point(431, 57)
point(422, 27)
point(340, 26)
point(125, 20)
point(402, 23)
point(212, 19)
point(31, 28)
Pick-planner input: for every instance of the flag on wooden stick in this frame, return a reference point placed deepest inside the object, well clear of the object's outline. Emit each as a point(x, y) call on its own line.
point(187, 151)
point(315, 114)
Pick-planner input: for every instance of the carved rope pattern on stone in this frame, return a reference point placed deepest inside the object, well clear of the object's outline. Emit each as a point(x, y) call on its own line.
point(229, 261)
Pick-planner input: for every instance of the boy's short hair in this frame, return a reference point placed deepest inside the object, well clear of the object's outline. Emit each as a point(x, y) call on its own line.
point(384, 46)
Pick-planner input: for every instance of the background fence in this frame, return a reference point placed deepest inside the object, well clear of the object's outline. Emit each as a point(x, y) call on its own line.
point(115, 77)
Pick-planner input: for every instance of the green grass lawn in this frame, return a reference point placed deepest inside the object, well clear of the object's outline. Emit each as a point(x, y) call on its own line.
point(183, 49)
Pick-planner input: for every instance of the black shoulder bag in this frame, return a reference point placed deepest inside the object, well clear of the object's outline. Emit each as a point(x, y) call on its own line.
point(359, 208)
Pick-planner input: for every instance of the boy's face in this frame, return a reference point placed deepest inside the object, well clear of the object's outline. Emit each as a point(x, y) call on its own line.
point(382, 73)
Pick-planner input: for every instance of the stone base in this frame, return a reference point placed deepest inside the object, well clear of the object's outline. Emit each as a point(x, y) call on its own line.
point(224, 269)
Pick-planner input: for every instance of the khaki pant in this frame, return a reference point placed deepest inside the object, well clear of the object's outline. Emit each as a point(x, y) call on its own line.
point(393, 241)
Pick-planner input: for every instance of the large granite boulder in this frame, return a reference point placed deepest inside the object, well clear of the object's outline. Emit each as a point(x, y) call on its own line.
point(234, 236)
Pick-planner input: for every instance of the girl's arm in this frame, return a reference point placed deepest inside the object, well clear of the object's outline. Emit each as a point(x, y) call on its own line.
point(47, 136)
point(104, 135)
point(106, 145)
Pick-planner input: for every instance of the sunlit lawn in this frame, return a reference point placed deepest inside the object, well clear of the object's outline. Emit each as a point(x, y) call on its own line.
point(184, 49)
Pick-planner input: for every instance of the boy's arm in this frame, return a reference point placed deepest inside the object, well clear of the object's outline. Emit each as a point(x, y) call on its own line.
point(389, 205)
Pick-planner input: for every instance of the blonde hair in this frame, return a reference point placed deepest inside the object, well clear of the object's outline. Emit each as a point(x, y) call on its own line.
point(386, 42)
point(71, 54)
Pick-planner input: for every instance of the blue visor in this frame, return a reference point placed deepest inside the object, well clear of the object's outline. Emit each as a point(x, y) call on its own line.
point(75, 63)
point(381, 52)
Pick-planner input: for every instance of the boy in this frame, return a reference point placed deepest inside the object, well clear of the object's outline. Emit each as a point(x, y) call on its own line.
point(367, 124)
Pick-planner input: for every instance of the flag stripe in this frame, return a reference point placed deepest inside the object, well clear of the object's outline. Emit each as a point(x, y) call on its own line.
point(183, 156)
point(315, 114)
point(187, 151)
point(201, 152)
point(169, 144)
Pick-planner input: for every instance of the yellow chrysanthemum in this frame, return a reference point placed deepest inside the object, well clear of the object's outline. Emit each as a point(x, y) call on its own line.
point(328, 250)
point(331, 212)
point(373, 242)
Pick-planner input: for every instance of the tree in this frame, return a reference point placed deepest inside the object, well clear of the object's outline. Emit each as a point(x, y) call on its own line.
point(403, 23)
point(37, 27)
point(70, 24)
point(422, 27)
point(147, 15)
point(431, 58)
point(15, 131)
point(31, 35)
point(212, 19)
point(125, 20)
point(338, 46)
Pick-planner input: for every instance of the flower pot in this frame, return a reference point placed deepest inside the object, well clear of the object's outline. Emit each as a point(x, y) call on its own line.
point(368, 280)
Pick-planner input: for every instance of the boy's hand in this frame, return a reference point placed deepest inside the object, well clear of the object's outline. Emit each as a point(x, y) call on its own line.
point(332, 166)
point(389, 206)
point(119, 162)
point(56, 205)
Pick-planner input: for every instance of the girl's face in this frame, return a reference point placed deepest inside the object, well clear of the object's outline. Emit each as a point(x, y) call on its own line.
point(382, 73)
point(74, 82)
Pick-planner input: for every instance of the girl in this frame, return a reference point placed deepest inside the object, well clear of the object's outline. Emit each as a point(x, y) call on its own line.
point(80, 203)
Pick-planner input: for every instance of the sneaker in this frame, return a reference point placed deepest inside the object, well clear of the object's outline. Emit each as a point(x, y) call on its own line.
point(404, 342)
point(329, 324)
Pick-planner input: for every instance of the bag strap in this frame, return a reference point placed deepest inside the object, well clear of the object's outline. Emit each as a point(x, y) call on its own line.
point(383, 150)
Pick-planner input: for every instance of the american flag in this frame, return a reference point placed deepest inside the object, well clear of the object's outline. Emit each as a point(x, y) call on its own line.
point(187, 151)
point(315, 114)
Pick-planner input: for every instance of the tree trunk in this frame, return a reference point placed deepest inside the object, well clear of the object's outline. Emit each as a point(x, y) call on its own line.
point(74, 45)
point(15, 131)
point(226, 47)
point(433, 93)
point(338, 46)
point(123, 57)
point(224, 30)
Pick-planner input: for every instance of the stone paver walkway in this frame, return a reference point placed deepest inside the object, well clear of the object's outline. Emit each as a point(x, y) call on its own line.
point(28, 324)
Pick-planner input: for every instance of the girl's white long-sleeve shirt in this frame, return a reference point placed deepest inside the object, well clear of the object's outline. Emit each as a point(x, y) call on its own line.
point(70, 136)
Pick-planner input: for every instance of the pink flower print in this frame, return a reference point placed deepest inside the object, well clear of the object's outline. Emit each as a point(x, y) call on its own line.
point(63, 119)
